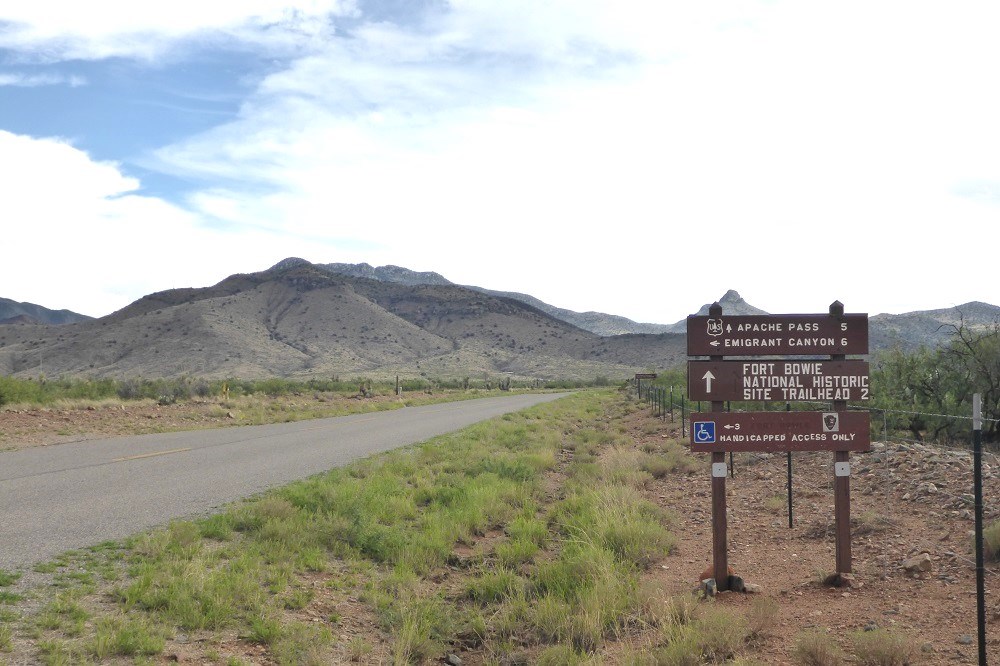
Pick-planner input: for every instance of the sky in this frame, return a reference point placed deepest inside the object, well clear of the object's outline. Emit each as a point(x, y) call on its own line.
point(632, 157)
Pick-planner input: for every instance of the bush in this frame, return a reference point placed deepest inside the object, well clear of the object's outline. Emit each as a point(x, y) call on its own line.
point(882, 648)
point(817, 649)
point(762, 617)
point(130, 389)
point(991, 541)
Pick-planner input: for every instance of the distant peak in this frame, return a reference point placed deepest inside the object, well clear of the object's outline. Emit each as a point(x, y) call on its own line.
point(732, 296)
point(288, 263)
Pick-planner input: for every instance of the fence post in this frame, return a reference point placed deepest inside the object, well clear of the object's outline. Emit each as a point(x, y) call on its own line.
point(683, 427)
point(977, 454)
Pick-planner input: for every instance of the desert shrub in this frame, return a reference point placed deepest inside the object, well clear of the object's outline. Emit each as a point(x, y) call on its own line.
point(720, 634)
point(991, 541)
point(882, 648)
point(817, 649)
point(14, 391)
point(762, 618)
point(130, 389)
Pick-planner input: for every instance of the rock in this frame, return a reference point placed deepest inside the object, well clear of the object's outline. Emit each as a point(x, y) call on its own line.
point(708, 587)
point(927, 648)
point(839, 580)
point(871, 626)
point(736, 584)
point(754, 588)
point(965, 639)
point(515, 660)
point(921, 562)
point(453, 660)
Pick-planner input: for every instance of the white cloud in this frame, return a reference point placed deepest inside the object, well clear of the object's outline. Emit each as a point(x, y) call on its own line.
point(78, 236)
point(35, 80)
point(52, 30)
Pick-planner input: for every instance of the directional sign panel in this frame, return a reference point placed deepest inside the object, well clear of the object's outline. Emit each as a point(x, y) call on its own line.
point(785, 381)
point(780, 431)
point(777, 335)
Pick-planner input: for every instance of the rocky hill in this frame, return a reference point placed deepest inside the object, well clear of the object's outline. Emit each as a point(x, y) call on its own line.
point(928, 328)
point(299, 320)
point(12, 312)
point(596, 322)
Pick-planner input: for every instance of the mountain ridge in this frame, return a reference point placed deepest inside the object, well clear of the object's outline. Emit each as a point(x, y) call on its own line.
point(298, 319)
point(13, 312)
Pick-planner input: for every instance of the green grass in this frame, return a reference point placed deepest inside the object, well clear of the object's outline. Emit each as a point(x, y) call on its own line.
point(9, 597)
point(125, 636)
point(561, 570)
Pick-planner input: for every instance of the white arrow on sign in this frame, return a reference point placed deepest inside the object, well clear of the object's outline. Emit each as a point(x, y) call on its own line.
point(729, 426)
point(714, 343)
point(708, 377)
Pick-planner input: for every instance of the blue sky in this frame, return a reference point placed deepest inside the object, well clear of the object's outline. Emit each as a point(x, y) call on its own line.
point(630, 157)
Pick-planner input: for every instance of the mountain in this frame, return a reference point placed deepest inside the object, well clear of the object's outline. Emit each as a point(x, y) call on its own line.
point(928, 328)
point(12, 312)
point(396, 274)
point(299, 320)
point(732, 304)
point(908, 332)
point(596, 322)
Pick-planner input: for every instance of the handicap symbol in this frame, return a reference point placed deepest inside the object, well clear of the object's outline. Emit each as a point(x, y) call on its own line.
point(704, 432)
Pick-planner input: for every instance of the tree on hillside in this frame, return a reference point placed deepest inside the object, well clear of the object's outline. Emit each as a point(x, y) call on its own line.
point(925, 390)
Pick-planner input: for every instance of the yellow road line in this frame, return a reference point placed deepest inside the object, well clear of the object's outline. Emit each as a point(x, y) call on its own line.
point(151, 455)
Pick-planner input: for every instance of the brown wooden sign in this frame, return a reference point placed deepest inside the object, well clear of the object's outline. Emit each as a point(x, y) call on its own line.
point(645, 375)
point(785, 380)
point(780, 431)
point(777, 335)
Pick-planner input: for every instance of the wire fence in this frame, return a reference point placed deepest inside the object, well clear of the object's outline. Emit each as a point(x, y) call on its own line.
point(667, 402)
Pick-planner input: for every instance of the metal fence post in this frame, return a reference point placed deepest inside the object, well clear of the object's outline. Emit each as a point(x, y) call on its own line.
point(977, 454)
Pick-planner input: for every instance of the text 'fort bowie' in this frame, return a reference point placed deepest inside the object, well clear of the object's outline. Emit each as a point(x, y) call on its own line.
point(787, 380)
point(779, 380)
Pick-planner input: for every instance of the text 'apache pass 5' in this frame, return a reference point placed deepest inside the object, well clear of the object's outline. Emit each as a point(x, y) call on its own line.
point(777, 335)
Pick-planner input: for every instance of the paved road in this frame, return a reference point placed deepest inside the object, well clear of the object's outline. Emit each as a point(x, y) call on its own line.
point(54, 499)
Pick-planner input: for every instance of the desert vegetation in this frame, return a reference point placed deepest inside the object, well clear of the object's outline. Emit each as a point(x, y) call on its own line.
point(42, 391)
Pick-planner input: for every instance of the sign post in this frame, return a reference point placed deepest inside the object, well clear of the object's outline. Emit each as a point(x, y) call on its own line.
point(639, 376)
point(720, 537)
point(836, 381)
point(842, 475)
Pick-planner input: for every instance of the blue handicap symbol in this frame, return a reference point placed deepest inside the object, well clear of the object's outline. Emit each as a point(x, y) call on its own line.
point(704, 432)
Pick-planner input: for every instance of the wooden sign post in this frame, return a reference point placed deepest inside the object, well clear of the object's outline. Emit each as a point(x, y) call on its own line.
point(836, 380)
